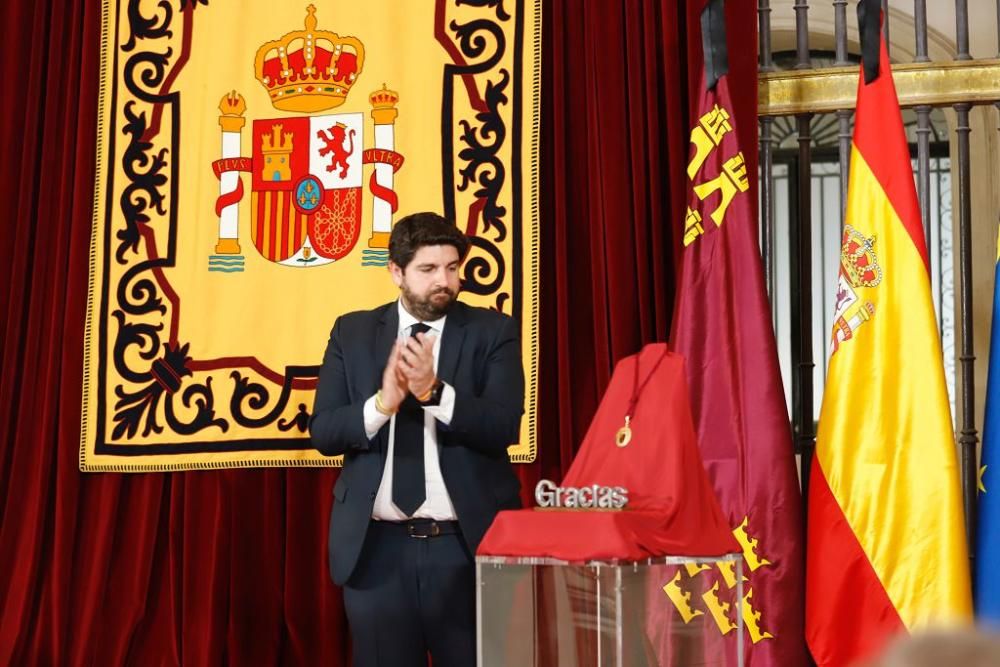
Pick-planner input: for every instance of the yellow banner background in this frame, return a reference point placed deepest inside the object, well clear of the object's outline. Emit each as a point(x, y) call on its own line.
point(193, 367)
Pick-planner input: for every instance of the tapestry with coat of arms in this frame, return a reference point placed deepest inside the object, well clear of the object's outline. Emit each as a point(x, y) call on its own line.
point(253, 157)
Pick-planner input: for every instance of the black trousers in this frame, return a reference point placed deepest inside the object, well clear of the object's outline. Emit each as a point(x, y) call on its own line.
point(410, 596)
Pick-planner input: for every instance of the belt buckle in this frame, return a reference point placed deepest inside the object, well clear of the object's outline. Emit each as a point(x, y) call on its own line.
point(434, 532)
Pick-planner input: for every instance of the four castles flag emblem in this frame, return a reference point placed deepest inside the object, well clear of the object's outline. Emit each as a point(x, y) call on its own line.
point(306, 171)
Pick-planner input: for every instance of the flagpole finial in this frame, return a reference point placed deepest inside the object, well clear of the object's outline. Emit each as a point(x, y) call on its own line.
point(869, 28)
point(713, 42)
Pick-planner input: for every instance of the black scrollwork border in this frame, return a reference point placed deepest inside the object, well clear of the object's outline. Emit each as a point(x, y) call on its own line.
point(480, 168)
point(480, 140)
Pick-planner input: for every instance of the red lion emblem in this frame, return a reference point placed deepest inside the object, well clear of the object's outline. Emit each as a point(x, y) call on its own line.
point(334, 139)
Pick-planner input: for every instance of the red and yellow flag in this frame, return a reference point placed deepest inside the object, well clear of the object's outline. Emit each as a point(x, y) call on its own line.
point(886, 551)
point(722, 328)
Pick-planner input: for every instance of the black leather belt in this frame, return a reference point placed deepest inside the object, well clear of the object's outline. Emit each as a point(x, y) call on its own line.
point(423, 528)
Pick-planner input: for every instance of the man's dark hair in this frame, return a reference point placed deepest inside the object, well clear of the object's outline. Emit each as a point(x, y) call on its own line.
point(422, 229)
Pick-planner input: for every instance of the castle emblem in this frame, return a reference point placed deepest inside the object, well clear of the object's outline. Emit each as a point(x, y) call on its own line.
point(859, 268)
point(306, 172)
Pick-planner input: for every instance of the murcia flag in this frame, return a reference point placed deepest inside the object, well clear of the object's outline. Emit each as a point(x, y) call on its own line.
point(886, 551)
point(722, 326)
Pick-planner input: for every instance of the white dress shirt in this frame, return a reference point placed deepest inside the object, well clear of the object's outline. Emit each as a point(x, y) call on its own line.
point(437, 504)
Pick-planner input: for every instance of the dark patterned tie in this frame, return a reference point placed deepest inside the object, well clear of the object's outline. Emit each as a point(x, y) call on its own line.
point(408, 481)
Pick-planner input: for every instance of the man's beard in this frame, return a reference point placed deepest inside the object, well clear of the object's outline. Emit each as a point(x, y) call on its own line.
point(431, 308)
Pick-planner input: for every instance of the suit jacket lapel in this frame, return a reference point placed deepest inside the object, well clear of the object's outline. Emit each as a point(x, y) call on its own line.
point(385, 335)
point(451, 343)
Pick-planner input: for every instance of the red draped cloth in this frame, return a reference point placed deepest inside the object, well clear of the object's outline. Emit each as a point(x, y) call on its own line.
point(671, 510)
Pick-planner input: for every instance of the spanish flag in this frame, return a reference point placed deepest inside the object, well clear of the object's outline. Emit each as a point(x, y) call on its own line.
point(886, 549)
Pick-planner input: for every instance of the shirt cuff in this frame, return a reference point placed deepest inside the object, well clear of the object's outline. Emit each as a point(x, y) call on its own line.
point(444, 410)
point(374, 420)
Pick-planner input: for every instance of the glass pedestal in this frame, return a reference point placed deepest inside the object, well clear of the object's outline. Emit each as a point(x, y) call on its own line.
point(668, 611)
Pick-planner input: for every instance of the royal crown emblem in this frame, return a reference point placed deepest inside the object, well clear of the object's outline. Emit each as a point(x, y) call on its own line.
point(857, 258)
point(309, 70)
point(307, 186)
point(858, 268)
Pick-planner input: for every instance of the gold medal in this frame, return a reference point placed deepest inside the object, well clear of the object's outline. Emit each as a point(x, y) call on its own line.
point(624, 434)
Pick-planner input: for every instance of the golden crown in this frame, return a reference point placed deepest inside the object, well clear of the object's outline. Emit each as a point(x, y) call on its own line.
point(384, 103)
point(858, 260)
point(309, 70)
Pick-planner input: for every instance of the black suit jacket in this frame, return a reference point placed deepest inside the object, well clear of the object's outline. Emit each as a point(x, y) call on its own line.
point(480, 357)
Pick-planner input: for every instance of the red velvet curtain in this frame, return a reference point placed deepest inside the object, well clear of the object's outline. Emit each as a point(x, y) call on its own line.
point(614, 153)
point(229, 567)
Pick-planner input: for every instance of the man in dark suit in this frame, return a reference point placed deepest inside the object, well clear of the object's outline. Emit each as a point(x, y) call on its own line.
point(422, 396)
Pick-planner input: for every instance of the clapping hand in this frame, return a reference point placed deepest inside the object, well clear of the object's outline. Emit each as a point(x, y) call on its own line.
point(416, 360)
point(394, 383)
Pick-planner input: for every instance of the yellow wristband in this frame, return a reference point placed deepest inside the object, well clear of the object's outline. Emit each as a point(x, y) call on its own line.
point(380, 406)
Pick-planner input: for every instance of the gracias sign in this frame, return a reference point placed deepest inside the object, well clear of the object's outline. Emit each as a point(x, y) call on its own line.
point(548, 494)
